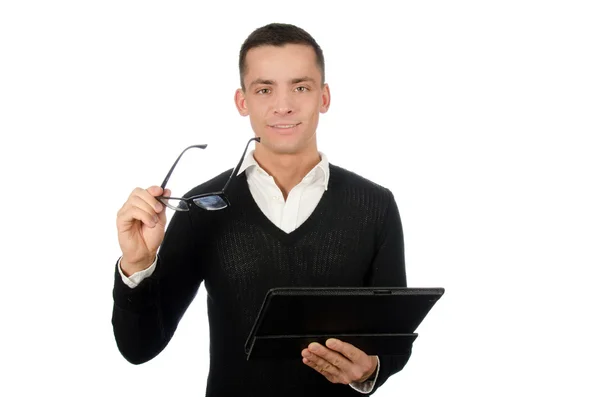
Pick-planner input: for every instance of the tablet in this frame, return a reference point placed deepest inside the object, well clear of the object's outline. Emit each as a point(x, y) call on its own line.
point(378, 321)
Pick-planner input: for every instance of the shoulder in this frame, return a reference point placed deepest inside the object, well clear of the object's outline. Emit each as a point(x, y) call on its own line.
point(212, 185)
point(359, 195)
point(346, 179)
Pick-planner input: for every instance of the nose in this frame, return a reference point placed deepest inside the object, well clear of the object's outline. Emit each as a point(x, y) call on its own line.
point(283, 104)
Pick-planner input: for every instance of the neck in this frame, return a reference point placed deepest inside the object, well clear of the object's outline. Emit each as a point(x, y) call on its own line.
point(287, 170)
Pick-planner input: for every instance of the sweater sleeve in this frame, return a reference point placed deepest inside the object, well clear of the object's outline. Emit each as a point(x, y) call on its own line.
point(145, 318)
point(387, 269)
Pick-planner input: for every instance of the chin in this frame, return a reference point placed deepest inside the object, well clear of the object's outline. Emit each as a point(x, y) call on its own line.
point(283, 147)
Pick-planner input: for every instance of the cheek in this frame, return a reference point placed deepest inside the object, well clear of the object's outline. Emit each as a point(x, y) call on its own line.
point(258, 119)
point(314, 114)
point(258, 109)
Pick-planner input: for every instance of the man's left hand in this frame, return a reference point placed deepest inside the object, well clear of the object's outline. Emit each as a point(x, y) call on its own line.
point(339, 362)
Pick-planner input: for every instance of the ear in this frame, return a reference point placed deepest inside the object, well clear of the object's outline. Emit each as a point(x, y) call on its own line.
point(240, 102)
point(325, 98)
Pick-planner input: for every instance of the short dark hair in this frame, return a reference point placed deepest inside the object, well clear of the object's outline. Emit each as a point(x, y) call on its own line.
point(279, 34)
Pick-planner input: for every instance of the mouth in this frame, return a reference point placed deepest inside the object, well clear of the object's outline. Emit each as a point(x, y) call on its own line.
point(283, 127)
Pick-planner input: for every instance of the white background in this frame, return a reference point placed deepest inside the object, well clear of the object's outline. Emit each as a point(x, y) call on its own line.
point(482, 117)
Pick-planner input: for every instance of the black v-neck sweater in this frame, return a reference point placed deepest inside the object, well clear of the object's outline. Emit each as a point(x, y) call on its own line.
point(352, 238)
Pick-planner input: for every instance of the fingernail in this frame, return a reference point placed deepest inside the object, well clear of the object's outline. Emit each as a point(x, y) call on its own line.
point(158, 206)
point(155, 219)
point(312, 347)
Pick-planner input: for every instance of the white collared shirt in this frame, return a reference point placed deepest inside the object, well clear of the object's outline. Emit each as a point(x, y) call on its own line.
point(301, 200)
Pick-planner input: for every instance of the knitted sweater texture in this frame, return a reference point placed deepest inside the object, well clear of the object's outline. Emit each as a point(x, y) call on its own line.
point(353, 238)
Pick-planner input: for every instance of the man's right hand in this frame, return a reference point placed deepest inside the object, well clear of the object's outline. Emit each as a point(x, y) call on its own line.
point(141, 228)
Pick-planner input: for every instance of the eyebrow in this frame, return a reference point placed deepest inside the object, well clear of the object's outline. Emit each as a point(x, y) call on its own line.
point(262, 81)
point(303, 79)
point(292, 81)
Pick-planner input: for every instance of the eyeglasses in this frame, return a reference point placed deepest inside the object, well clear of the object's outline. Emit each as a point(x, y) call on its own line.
point(208, 201)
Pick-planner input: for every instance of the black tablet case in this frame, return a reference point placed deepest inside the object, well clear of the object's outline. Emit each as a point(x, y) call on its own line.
point(379, 321)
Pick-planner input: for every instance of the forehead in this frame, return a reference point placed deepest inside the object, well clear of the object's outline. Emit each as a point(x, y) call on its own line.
point(281, 63)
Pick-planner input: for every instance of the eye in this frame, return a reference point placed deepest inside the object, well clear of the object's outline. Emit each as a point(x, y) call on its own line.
point(302, 89)
point(263, 91)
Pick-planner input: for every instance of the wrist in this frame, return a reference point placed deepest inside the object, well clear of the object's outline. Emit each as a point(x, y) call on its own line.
point(370, 376)
point(129, 267)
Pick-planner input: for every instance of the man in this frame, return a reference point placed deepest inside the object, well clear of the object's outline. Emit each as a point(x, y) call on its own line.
point(288, 218)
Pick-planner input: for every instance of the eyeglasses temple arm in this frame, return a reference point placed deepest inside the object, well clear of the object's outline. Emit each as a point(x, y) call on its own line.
point(237, 167)
point(176, 161)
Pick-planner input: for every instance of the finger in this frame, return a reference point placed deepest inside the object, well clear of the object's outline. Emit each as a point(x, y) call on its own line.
point(331, 356)
point(314, 366)
point(149, 198)
point(162, 216)
point(324, 367)
point(319, 364)
point(348, 350)
point(155, 190)
point(361, 362)
point(138, 202)
point(135, 213)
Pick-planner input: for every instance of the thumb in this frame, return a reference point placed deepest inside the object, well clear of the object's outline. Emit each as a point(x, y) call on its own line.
point(162, 215)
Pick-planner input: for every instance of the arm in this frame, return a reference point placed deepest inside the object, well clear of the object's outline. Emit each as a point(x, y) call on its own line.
point(340, 362)
point(388, 269)
point(145, 317)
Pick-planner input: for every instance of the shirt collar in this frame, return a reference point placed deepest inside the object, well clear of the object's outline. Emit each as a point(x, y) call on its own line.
point(251, 166)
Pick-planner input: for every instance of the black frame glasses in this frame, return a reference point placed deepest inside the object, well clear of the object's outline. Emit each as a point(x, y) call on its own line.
point(208, 201)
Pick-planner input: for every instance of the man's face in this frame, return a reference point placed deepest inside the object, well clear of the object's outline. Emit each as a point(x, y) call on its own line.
point(283, 97)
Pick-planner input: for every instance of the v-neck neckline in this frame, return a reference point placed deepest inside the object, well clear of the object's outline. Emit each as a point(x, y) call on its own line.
point(244, 194)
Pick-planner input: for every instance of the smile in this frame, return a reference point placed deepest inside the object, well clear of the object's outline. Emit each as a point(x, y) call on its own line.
point(284, 126)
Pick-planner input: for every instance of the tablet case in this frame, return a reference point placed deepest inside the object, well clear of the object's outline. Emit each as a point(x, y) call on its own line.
point(379, 321)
